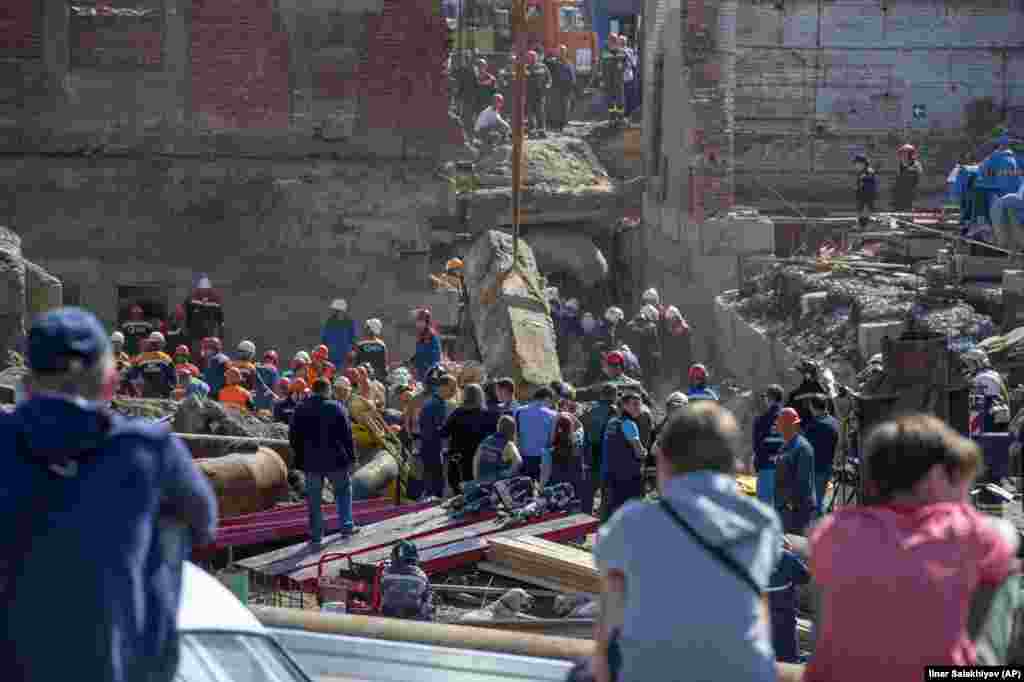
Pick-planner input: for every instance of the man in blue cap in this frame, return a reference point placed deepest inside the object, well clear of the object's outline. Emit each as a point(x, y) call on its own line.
point(87, 504)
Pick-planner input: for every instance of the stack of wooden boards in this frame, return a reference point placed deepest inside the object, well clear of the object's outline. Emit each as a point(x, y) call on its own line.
point(570, 568)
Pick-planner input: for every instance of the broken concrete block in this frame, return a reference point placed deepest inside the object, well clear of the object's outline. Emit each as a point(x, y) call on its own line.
point(813, 303)
point(870, 335)
point(1013, 282)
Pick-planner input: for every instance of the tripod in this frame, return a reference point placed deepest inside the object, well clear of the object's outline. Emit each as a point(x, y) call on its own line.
point(846, 477)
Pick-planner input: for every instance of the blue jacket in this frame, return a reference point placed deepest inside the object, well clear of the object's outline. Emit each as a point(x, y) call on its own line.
point(1000, 171)
point(338, 334)
point(321, 436)
point(432, 419)
point(428, 354)
point(535, 425)
point(794, 494)
point(702, 393)
point(823, 435)
point(764, 426)
point(266, 378)
point(790, 572)
point(406, 593)
point(88, 547)
point(213, 375)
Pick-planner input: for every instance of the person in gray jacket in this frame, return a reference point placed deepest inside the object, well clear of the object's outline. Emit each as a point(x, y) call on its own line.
point(729, 545)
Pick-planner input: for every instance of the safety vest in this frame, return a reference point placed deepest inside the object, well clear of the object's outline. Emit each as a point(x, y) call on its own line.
point(235, 396)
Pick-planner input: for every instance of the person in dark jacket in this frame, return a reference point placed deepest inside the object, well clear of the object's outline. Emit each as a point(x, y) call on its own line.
point(767, 443)
point(867, 189)
point(215, 364)
point(563, 463)
point(339, 333)
point(908, 177)
point(613, 69)
point(794, 476)
point(284, 409)
point(622, 457)
point(505, 390)
point(204, 314)
point(538, 82)
point(465, 428)
point(601, 413)
point(811, 384)
point(98, 513)
point(136, 331)
point(822, 432)
point(563, 89)
point(428, 344)
point(405, 588)
point(699, 389)
point(321, 438)
point(790, 572)
point(431, 423)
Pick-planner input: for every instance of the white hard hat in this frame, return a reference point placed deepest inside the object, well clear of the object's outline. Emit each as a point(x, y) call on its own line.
point(877, 359)
point(117, 337)
point(247, 347)
point(204, 283)
point(157, 337)
point(649, 312)
point(614, 314)
point(374, 325)
point(551, 293)
point(339, 304)
point(302, 356)
point(673, 313)
point(651, 296)
point(572, 304)
point(677, 399)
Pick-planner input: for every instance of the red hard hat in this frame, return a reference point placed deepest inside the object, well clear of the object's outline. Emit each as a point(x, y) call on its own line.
point(182, 350)
point(271, 355)
point(179, 312)
point(698, 373)
point(788, 416)
point(212, 342)
point(283, 383)
point(136, 309)
point(321, 352)
point(615, 358)
point(908, 148)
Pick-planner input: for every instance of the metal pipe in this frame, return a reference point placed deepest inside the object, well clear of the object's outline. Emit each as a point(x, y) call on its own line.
point(453, 636)
point(479, 590)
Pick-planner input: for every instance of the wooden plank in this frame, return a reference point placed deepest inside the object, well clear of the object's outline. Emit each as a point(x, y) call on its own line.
point(535, 556)
point(506, 572)
point(454, 542)
point(407, 526)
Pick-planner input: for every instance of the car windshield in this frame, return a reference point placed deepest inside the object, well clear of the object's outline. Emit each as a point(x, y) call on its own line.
point(234, 657)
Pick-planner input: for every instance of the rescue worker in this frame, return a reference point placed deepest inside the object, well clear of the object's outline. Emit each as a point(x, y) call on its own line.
point(267, 378)
point(215, 364)
point(428, 344)
point(613, 318)
point(234, 394)
point(767, 442)
point(155, 369)
point(320, 367)
point(497, 457)
point(116, 502)
point(538, 82)
point(811, 384)
point(281, 389)
point(505, 388)
point(794, 476)
point(631, 363)
point(988, 384)
point(908, 177)
point(405, 588)
point(652, 297)
point(613, 69)
point(136, 330)
point(245, 363)
point(645, 338)
point(431, 421)
point(675, 402)
point(867, 189)
point(299, 366)
point(189, 385)
point(1001, 170)
point(676, 347)
point(491, 128)
point(699, 389)
point(630, 77)
point(176, 333)
point(622, 457)
point(563, 73)
point(601, 413)
point(183, 359)
point(204, 313)
point(320, 434)
point(822, 432)
point(486, 87)
point(615, 370)
point(124, 362)
point(372, 350)
point(339, 332)
point(284, 409)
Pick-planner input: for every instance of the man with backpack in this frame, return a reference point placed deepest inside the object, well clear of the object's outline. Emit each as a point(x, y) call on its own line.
point(600, 414)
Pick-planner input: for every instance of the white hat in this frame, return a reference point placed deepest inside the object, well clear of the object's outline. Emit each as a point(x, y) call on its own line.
point(677, 399)
point(614, 314)
point(117, 337)
point(651, 296)
point(572, 304)
point(551, 293)
point(247, 347)
point(672, 313)
point(339, 304)
point(302, 356)
point(157, 337)
point(374, 325)
point(204, 283)
point(649, 312)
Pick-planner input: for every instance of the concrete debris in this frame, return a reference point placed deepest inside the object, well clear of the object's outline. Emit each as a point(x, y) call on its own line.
point(196, 415)
point(576, 606)
point(512, 604)
point(558, 163)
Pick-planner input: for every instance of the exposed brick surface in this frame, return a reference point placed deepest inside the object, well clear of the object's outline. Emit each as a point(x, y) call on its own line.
point(19, 30)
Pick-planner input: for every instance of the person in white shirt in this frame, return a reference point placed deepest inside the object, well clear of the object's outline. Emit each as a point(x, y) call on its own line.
point(490, 121)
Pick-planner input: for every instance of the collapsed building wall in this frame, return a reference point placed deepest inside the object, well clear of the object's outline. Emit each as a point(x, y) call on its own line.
point(26, 290)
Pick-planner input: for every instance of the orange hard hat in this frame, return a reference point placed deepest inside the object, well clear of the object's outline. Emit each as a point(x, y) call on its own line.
point(232, 376)
point(298, 386)
point(788, 416)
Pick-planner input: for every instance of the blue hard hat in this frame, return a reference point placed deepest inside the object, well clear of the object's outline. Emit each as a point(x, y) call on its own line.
point(405, 552)
point(61, 337)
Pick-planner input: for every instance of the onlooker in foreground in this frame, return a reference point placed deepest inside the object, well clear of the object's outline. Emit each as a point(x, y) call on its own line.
point(90, 570)
point(782, 598)
point(321, 437)
point(728, 543)
point(929, 549)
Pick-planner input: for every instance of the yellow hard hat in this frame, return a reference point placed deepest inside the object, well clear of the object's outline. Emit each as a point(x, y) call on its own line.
point(453, 264)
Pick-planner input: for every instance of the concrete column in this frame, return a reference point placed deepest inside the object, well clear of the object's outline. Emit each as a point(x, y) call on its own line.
point(709, 54)
point(177, 67)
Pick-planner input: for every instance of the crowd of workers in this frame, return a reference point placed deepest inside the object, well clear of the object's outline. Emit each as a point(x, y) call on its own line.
point(66, 502)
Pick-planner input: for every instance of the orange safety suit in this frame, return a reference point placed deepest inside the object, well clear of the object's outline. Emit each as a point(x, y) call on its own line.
point(236, 396)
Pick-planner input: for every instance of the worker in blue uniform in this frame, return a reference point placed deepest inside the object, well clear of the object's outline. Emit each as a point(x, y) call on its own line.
point(794, 476)
point(405, 588)
point(699, 389)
